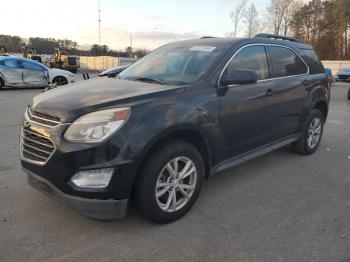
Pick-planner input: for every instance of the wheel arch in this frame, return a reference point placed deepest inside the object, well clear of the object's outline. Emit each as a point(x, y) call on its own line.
point(318, 98)
point(322, 106)
point(188, 134)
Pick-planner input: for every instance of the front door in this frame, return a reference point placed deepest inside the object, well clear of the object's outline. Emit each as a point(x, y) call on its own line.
point(34, 74)
point(245, 120)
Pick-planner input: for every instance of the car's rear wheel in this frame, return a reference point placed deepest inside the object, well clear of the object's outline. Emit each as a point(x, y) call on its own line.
point(349, 94)
point(169, 182)
point(60, 80)
point(311, 134)
point(2, 83)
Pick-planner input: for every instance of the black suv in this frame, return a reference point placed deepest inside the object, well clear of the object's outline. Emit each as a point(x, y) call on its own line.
point(180, 114)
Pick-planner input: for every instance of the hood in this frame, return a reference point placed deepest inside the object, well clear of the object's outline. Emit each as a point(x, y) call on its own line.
point(69, 101)
point(56, 71)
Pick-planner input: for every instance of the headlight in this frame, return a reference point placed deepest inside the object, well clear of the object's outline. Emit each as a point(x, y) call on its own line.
point(97, 126)
point(71, 75)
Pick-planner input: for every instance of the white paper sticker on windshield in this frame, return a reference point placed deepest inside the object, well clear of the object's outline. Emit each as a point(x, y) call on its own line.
point(203, 48)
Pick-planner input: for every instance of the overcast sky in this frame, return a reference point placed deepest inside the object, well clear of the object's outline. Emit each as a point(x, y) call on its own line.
point(151, 22)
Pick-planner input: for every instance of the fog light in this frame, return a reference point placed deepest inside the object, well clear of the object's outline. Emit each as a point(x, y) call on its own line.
point(97, 178)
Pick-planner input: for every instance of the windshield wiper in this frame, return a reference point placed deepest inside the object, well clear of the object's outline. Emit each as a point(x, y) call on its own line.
point(147, 79)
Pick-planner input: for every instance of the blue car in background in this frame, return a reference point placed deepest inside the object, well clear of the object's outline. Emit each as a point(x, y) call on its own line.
point(343, 74)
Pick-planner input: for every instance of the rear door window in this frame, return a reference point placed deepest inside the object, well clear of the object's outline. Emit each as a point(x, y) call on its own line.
point(33, 66)
point(286, 62)
point(12, 63)
point(252, 58)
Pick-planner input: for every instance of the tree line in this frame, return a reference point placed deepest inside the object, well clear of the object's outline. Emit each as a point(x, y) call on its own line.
point(322, 24)
point(16, 44)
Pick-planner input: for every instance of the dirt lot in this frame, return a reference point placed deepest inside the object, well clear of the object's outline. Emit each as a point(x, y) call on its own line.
point(279, 207)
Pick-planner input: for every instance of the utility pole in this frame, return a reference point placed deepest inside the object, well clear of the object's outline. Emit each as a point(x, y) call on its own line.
point(99, 22)
point(130, 45)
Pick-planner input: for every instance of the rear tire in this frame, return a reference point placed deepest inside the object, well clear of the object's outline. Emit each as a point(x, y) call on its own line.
point(2, 83)
point(349, 94)
point(311, 134)
point(165, 191)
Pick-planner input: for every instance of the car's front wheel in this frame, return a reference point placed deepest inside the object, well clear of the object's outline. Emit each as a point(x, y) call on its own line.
point(311, 134)
point(169, 182)
point(349, 94)
point(60, 81)
point(2, 83)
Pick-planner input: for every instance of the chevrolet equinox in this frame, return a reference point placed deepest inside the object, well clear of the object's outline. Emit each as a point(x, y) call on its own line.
point(180, 114)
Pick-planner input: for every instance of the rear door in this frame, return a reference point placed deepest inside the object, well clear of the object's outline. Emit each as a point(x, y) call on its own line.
point(12, 71)
point(287, 104)
point(34, 74)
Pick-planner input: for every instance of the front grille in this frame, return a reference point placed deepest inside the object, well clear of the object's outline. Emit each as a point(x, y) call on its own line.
point(42, 119)
point(37, 147)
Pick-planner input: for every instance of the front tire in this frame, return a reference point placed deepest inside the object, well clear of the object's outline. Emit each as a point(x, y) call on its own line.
point(2, 83)
point(169, 182)
point(349, 94)
point(312, 133)
point(60, 81)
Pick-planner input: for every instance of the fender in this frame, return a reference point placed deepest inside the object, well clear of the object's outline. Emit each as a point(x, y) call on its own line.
point(177, 130)
point(318, 92)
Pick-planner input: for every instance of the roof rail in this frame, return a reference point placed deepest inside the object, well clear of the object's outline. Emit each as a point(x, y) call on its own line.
point(204, 37)
point(271, 36)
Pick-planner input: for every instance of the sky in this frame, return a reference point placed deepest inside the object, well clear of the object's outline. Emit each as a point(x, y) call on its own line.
point(151, 23)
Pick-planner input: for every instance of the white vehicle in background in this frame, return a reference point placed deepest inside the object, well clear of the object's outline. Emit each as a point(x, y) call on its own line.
point(22, 72)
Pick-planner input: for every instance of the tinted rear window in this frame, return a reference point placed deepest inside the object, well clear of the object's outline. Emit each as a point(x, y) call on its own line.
point(313, 61)
point(286, 62)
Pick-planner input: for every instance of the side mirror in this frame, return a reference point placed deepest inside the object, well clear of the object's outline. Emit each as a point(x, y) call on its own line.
point(238, 77)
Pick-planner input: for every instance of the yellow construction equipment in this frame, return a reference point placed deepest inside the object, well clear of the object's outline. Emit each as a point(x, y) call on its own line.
point(63, 60)
point(3, 50)
point(31, 53)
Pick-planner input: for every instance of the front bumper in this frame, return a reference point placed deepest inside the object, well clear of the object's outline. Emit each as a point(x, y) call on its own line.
point(108, 209)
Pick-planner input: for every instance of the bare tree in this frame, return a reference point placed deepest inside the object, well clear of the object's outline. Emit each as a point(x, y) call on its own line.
point(287, 17)
point(237, 15)
point(251, 20)
point(279, 14)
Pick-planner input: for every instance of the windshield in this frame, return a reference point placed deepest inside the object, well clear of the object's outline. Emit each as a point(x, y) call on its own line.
point(174, 64)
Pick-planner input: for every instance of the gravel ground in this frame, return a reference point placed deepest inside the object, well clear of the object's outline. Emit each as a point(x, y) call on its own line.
point(278, 207)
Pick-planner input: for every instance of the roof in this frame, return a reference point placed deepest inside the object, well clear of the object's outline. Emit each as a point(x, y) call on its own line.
point(18, 58)
point(229, 42)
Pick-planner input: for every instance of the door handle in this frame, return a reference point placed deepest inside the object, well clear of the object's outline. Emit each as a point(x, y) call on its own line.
point(270, 92)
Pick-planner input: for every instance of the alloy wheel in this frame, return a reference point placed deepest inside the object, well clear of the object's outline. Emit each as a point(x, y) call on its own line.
point(176, 184)
point(314, 132)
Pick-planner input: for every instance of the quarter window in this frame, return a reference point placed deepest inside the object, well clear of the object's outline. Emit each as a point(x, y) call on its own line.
point(286, 62)
point(12, 63)
point(314, 62)
point(252, 58)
